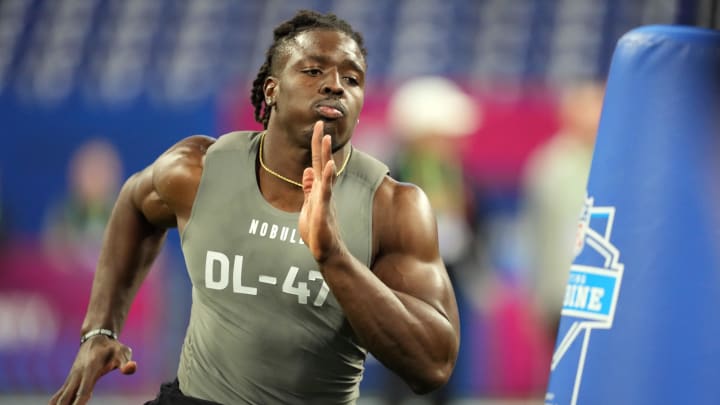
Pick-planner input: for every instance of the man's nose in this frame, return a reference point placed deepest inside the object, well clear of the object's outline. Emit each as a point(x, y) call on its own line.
point(332, 85)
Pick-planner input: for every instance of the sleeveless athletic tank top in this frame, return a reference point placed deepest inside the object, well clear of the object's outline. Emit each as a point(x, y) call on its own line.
point(264, 327)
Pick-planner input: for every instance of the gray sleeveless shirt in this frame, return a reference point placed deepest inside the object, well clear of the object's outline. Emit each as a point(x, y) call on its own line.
point(264, 327)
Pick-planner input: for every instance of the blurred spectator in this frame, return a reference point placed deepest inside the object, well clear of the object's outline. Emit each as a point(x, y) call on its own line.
point(42, 310)
point(430, 116)
point(554, 189)
point(74, 226)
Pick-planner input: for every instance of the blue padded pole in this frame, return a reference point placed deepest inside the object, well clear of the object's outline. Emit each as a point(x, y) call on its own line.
point(641, 314)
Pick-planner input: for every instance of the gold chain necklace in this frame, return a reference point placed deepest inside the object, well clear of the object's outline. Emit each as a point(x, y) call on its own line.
point(280, 176)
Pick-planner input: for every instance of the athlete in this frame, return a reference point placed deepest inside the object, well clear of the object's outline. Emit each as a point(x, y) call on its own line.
point(303, 253)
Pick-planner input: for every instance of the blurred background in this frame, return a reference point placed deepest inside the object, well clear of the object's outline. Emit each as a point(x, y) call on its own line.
point(490, 105)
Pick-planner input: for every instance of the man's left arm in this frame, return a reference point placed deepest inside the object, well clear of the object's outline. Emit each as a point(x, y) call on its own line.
point(404, 310)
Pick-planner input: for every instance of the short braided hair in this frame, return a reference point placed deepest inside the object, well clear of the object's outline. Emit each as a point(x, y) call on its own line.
point(304, 20)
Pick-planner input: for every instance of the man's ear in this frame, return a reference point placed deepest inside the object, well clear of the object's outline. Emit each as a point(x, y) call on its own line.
point(270, 88)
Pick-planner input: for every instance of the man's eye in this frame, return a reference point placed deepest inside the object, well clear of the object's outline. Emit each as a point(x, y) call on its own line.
point(353, 81)
point(313, 72)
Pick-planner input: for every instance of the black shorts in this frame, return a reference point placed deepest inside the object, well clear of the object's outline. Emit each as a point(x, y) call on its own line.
point(170, 394)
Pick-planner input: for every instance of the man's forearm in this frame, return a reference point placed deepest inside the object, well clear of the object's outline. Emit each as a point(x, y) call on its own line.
point(406, 334)
point(130, 246)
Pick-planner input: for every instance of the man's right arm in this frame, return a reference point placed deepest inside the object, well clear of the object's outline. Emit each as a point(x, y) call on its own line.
point(150, 202)
point(131, 244)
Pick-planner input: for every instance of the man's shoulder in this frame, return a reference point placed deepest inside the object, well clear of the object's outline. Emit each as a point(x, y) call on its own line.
point(395, 194)
point(184, 159)
point(235, 140)
point(193, 143)
point(402, 212)
point(190, 154)
point(202, 144)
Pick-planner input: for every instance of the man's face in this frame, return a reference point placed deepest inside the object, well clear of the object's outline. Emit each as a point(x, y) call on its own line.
point(322, 78)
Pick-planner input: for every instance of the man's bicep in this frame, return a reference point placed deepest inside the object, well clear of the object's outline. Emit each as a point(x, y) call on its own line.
point(421, 280)
point(164, 192)
point(148, 202)
point(175, 179)
point(408, 258)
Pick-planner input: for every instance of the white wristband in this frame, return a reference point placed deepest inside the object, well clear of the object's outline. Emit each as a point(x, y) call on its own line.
point(96, 332)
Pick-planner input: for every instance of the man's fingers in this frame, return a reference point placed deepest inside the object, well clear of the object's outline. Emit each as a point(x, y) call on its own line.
point(79, 385)
point(316, 146)
point(66, 394)
point(129, 367)
point(56, 397)
point(124, 361)
point(307, 180)
point(326, 150)
point(125, 354)
point(83, 394)
point(87, 384)
point(69, 392)
point(327, 177)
